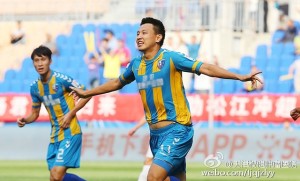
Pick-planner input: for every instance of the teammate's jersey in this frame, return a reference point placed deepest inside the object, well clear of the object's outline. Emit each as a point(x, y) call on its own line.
point(55, 96)
point(160, 85)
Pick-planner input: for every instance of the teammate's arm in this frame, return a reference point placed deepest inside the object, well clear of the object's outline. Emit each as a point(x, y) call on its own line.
point(109, 86)
point(216, 71)
point(139, 124)
point(35, 112)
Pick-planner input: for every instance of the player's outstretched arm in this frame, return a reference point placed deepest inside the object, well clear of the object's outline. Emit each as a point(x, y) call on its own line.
point(109, 86)
point(35, 112)
point(216, 71)
point(295, 113)
point(139, 124)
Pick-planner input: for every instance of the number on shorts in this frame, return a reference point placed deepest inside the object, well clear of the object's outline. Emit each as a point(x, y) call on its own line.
point(60, 154)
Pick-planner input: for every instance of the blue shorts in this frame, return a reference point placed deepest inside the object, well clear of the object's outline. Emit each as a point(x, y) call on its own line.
point(65, 153)
point(170, 146)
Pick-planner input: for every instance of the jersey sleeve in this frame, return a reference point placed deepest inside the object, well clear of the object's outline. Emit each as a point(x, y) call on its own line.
point(36, 102)
point(185, 63)
point(128, 76)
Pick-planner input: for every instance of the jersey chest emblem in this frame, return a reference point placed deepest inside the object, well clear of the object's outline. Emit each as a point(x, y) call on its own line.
point(55, 87)
point(161, 64)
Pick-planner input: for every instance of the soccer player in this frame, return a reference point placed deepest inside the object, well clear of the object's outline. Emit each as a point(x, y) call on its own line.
point(53, 90)
point(149, 156)
point(158, 73)
point(295, 113)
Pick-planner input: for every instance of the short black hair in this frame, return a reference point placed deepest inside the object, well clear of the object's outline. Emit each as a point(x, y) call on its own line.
point(41, 51)
point(159, 27)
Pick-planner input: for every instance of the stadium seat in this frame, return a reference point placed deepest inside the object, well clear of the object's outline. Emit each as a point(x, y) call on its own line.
point(261, 63)
point(4, 87)
point(16, 86)
point(286, 60)
point(217, 86)
point(276, 49)
point(77, 29)
point(10, 74)
point(27, 62)
point(261, 51)
point(91, 27)
point(277, 36)
point(270, 85)
point(286, 86)
point(289, 48)
point(245, 64)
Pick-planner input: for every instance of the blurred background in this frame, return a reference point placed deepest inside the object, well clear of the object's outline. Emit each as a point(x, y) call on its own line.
point(228, 116)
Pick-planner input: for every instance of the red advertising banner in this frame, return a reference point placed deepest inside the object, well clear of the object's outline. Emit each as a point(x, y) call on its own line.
point(234, 107)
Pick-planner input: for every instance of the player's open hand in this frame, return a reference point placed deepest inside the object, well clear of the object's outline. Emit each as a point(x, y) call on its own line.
point(295, 113)
point(78, 93)
point(21, 122)
point(253, 78)
point(66, 120)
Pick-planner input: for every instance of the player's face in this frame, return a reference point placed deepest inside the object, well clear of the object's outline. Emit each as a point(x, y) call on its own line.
point(41, 64)
point(146, 37)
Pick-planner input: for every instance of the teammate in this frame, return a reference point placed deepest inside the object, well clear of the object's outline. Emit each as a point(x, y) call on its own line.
point(149, 156)
point(158, 75)
point(53, 89)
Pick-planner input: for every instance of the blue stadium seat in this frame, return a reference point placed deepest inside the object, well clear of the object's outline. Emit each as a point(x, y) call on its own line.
point(27, 62)
point(261, 63)
point(77, 29)
point(16, 86)
point(276, 49)
point(10, 74)
point(277, 36)
point(286, 86)
point(245, 64)
point(217, 86)
point(79, 50)
point(91, 27)
point(270, 85)
point(289, 48)
point(286, 60)
point(4, 87)
point(261, 51)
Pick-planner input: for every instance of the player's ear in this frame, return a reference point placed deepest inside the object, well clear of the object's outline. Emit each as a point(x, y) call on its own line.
point(158, 38)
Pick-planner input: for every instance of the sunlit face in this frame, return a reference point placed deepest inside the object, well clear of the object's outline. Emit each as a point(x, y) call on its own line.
point(146, 37)
point(41, 64)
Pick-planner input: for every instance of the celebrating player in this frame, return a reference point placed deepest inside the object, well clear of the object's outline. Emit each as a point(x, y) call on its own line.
point(53, 89)
point(158, 73)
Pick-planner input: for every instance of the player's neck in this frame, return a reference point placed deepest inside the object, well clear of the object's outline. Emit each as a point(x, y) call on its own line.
point(150, 53)
point(46, 77)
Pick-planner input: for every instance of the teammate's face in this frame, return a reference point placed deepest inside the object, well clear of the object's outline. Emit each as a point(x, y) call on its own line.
point(41, 64)
point(146, 37)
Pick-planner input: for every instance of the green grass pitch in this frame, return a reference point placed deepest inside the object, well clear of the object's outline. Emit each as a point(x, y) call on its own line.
point(122, 171)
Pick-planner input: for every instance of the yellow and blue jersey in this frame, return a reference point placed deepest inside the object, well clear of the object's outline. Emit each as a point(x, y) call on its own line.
point(55, 96)
point(160, 85)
